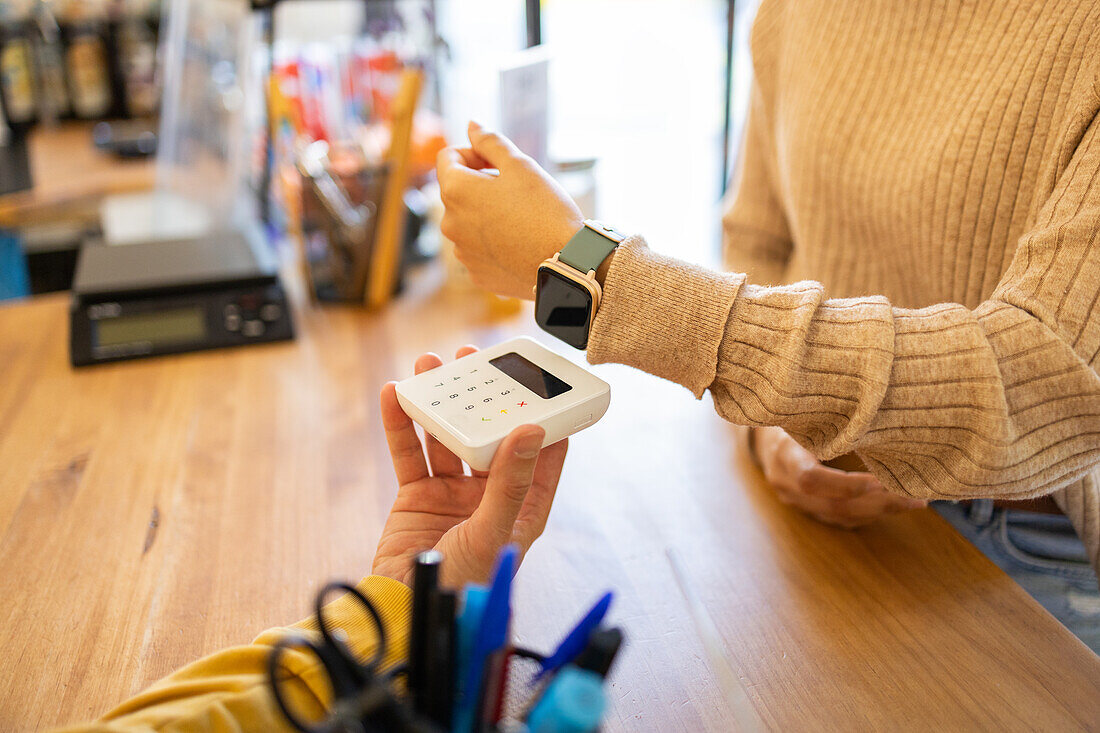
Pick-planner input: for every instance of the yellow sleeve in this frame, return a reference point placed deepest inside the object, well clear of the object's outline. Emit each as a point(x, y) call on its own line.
point(228, 690)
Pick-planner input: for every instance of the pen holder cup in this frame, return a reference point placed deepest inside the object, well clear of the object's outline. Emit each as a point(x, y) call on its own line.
point(520, 692)
point(337, 218)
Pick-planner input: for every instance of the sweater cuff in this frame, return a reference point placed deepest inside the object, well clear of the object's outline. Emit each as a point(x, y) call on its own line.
point(393, 601)
point(662, 315)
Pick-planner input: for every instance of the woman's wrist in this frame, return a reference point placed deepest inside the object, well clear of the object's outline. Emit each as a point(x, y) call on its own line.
point(601, 271)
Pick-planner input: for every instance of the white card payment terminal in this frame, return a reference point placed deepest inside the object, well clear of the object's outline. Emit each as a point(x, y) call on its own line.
point(471, 404)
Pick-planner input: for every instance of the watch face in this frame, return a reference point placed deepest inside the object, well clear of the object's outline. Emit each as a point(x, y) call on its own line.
point(563, 308)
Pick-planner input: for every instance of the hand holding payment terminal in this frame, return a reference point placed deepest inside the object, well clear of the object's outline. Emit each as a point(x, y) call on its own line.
point(471, 404)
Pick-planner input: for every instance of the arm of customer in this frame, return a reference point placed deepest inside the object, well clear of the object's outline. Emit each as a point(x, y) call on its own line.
point(756, 241)
point(1000, 400)
point(467, 518)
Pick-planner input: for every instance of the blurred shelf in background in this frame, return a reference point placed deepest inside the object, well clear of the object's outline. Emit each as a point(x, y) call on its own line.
point(70, 177)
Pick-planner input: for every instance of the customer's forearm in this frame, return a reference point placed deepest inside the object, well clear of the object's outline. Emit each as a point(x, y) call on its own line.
point(229, 691)
point(936, 400)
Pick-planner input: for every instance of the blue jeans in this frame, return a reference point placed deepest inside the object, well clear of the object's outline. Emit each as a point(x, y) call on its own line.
point(1042, 553)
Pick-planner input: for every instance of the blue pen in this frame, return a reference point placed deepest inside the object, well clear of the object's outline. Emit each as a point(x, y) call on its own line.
point(575, 641)
point(467, 624)
point(492, 635)
point(465, 627)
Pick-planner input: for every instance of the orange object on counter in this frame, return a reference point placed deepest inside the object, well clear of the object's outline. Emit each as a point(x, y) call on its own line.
point(426, 141)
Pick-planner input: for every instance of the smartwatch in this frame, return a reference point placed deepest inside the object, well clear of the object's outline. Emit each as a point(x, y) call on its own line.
point(567, 294)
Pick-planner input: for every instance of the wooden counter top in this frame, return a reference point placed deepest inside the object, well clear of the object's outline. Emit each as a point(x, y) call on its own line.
point(155, 511)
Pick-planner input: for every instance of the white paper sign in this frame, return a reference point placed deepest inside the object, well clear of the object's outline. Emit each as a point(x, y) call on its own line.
point(524, 97)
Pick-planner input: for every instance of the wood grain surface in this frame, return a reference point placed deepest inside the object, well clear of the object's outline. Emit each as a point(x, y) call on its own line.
point(155, 511)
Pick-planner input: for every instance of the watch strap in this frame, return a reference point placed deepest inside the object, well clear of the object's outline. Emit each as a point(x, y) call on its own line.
point(590, 246)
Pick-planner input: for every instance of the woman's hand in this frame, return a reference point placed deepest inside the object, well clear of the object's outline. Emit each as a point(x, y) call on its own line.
point(846, 499)
point(502, 225)
point(467, 518)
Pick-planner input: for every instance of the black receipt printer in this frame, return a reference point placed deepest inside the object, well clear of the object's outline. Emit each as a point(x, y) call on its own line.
point(168, 297)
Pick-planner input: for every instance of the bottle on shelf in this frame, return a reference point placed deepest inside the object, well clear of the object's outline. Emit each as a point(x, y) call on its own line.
point(53, 96)
point(134, 29)
point(85, 34)
point(17, 86)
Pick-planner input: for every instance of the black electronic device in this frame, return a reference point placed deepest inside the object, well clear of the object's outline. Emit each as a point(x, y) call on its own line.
point(168, 297)
point(15, 164)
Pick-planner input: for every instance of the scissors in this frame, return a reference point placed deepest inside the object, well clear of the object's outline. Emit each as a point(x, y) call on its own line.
point(363, 698)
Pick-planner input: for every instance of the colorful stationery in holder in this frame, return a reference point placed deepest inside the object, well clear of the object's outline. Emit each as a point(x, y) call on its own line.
point(352, 215)
point(463, 673)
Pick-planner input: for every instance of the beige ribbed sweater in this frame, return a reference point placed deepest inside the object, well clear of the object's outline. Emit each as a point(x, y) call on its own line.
point(925, 176)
